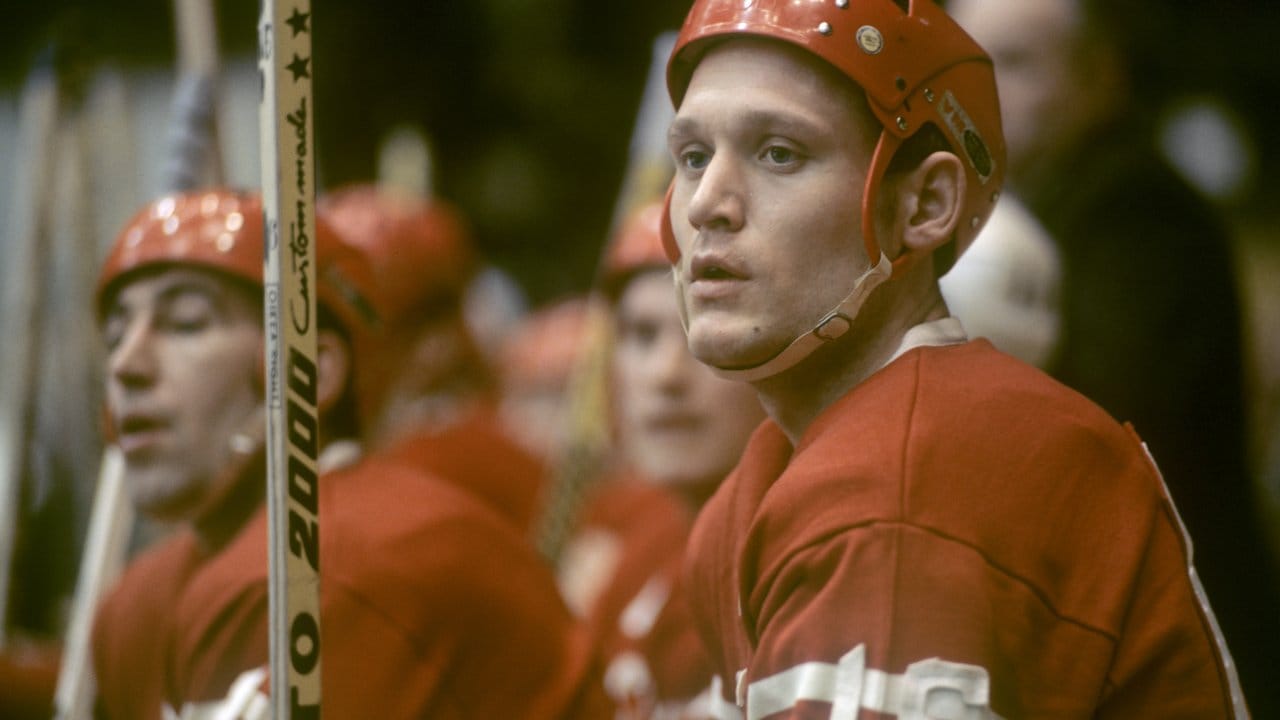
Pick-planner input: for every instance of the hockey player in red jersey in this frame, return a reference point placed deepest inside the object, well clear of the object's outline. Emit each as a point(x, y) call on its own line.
point(419, 583)
point(427, 395)
point(179, 303)
point(680, 429)
point(924, 527)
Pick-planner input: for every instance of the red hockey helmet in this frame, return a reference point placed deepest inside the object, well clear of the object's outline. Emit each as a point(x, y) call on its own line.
point(636, 247)
point(221, 230)
point(916, 67)
point(422, 259)
point(419, 251)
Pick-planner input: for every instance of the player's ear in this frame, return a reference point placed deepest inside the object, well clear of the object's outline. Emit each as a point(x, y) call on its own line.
point(333, 356)
point(930, 201)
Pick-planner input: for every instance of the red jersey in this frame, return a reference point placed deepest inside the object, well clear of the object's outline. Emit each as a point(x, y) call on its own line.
point(639, 612)
point(958, 536)
point(432, 605)
point(132, 624)
point(475, 454)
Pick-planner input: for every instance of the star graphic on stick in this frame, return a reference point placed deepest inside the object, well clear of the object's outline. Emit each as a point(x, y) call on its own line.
point(298, 21)
point(299, 67)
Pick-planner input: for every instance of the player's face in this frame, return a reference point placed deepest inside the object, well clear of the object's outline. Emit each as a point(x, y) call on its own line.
point(771, 155)
point(680, 423)
point(1033, 45)
point(183, 351)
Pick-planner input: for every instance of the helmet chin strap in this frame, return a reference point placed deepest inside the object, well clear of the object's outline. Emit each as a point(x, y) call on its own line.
point(833, 325)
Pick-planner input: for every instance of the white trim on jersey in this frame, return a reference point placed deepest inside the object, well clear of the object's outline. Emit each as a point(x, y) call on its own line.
point(244, 701)
point(1238, 707)
point(933, 689)
point(642, 612)
point(720, 709)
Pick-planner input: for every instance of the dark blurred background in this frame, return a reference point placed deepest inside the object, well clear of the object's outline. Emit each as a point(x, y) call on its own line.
point(529, 104)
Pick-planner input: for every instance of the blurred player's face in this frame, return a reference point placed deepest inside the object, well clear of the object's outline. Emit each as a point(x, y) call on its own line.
point(771, 153)
point(183, 348)
point(1045, 91)
point(679, 422)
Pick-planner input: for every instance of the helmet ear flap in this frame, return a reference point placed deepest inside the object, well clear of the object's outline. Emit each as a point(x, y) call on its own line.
point(669, 245)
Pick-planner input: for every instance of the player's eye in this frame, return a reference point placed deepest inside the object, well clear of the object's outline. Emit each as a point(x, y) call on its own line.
point(695, 159)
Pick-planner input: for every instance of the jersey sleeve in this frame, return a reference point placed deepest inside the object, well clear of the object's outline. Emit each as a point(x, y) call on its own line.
point(454, 620)
point(896, 619)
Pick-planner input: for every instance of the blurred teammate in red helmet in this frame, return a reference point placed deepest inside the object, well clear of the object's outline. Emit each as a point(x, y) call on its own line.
point(536, 364)
point(679, 430)
point(426, 592)
point(924, 527)
point(179, 304)
point(427, 393)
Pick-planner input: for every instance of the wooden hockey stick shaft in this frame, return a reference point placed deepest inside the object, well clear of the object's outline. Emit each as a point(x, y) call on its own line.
point(289, 277)
point(580, 461)
point(104, 558)
point(194, 159)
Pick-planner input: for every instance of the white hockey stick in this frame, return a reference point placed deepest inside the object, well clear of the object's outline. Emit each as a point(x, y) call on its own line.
point(289, 279)
point(103, 560)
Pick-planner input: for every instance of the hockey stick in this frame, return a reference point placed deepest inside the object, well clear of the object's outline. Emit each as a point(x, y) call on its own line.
point(289, 274)
point(101, 564)
point(27, 257)
point(581, 460)
point(102, 123)
point(194, 159)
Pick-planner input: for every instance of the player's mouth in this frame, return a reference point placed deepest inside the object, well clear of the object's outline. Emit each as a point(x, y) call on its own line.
point(714, 274)
point(140, 432)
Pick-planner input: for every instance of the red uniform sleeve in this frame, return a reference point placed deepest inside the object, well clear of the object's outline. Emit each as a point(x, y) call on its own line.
point(1171, 641)
point(131, 629)
point(477, 456)
point(897, 565)
point(893, 618)
point(432, 605)
point(454, 619)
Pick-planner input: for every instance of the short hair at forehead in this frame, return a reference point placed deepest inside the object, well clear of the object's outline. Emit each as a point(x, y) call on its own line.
point(854, 96)
point(233, 285)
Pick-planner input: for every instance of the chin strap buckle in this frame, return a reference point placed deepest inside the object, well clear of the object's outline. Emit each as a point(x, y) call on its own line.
point(833, 327)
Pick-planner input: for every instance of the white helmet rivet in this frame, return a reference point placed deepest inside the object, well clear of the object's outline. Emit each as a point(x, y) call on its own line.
point(928, 95)
point(746, 4)
point(974, 222)
point(870, 40)
point(164, 208)
point(902, 123)
point(842, 4)
point(824, 28)
point(995, 196)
